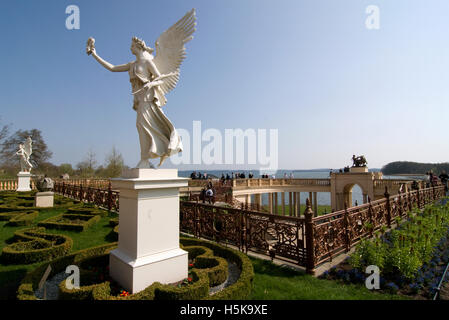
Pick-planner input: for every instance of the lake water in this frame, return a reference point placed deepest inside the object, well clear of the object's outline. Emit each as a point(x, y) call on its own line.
point(324, 198)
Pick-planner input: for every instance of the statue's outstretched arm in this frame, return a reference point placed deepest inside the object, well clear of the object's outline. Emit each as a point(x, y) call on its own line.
point(109, 66)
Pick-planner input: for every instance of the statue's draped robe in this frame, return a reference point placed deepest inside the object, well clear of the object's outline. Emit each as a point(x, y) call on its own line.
point(158, 137)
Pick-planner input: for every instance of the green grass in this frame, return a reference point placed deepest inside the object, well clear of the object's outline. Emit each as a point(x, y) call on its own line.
point(273, 282)
point(10, 275)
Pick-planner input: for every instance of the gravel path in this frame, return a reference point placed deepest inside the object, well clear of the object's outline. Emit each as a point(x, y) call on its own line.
point(233, 276)
point(52, 287)
point(53, 283)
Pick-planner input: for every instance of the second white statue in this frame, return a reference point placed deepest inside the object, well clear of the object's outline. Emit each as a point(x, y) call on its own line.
point(151, 79)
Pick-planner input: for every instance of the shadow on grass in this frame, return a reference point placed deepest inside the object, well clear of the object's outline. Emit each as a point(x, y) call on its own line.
point(268, 268)
point(111, 237)
point(9, 282)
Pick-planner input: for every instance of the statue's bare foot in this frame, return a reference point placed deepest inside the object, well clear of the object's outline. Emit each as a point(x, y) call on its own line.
point(145, 164)
point(162, 160)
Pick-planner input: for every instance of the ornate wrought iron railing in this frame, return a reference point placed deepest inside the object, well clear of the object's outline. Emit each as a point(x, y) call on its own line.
point(269, 234)
point(307, 241)
point(337, 232)
point(105, 198)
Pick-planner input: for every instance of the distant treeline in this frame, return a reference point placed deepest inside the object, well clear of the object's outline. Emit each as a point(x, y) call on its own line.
point(404, 167)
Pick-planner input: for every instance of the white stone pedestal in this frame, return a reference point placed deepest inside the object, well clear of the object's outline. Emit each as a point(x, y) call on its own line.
point(148, 244)
point(44, 199)
point(24, 181)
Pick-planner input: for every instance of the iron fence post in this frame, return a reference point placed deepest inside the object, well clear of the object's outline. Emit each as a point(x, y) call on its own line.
point(346, 224)
point(310, 249)
point(387, 204)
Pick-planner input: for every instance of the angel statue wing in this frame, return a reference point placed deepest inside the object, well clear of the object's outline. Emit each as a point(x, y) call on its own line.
point(28, 148)
point(170, 50)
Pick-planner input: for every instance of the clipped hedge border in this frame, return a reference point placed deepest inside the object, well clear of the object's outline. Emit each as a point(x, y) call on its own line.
point(30, 282)
point(87, 210)
point(52, 223)
point(23, 218)
point(199, 289)
point(203, 258)
point(34, 246)
point(239, 290)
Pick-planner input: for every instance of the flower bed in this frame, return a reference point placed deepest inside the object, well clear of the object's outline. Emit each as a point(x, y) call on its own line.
point(74, 222)
point(411, 258)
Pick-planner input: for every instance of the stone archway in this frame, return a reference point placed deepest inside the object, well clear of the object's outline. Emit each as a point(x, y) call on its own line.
point(342, 184)
point(348, 195)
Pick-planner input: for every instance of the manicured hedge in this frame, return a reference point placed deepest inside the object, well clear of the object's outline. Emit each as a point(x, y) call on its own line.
point(56, 223)
point(198, 289)
point(216, 267)
point(87, 210)
point(31, 280)
point(242, 287)
point(35, 245)
point(23, 218)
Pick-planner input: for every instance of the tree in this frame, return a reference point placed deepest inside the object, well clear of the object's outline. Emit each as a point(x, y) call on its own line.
point(3, 133)
point(65, 168)
point(86, 168)
point(114, 164)
point(10, 145)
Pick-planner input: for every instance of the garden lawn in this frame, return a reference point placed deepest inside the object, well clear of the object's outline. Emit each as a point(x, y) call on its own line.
point(11, 275)
point(273, 282)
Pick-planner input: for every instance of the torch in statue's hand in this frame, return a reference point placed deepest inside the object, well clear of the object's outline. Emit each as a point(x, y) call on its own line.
point(90, 47)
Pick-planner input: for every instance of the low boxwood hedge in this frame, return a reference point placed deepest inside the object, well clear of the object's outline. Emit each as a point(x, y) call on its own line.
point(34, 245)
point(198, 289)
point(30, 282)
point(216, 267)
point(71, 222)
point(23, 218)
point(239, 290)
point(87, 210)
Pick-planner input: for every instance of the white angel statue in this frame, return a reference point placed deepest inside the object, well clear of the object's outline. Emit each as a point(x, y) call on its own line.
point(25, 151)
point(151, 79)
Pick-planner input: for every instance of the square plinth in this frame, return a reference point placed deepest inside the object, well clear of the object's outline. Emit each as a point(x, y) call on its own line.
point(148, 243)
point(136, 275)
point(24, 179)
point(44, 199)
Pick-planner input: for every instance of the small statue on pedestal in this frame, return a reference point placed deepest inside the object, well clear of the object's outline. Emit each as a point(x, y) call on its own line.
point(25, 151)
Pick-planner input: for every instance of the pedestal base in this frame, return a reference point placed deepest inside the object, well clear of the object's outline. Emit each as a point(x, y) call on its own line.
point(44, 199)
point(358, 169)
point(136, 275)
point(24, 179)
point(148, 242)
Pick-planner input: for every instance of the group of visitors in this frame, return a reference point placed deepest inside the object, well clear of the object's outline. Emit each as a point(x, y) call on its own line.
point(208, 193)
point(198, 175)
point(266, 176)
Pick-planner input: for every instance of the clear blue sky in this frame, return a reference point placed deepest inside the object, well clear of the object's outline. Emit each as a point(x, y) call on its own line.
point(310, 69)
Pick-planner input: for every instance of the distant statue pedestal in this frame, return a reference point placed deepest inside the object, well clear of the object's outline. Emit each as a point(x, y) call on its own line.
point(44, 199)
point(24, 179)
point(148, 245)
point(358, 169)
